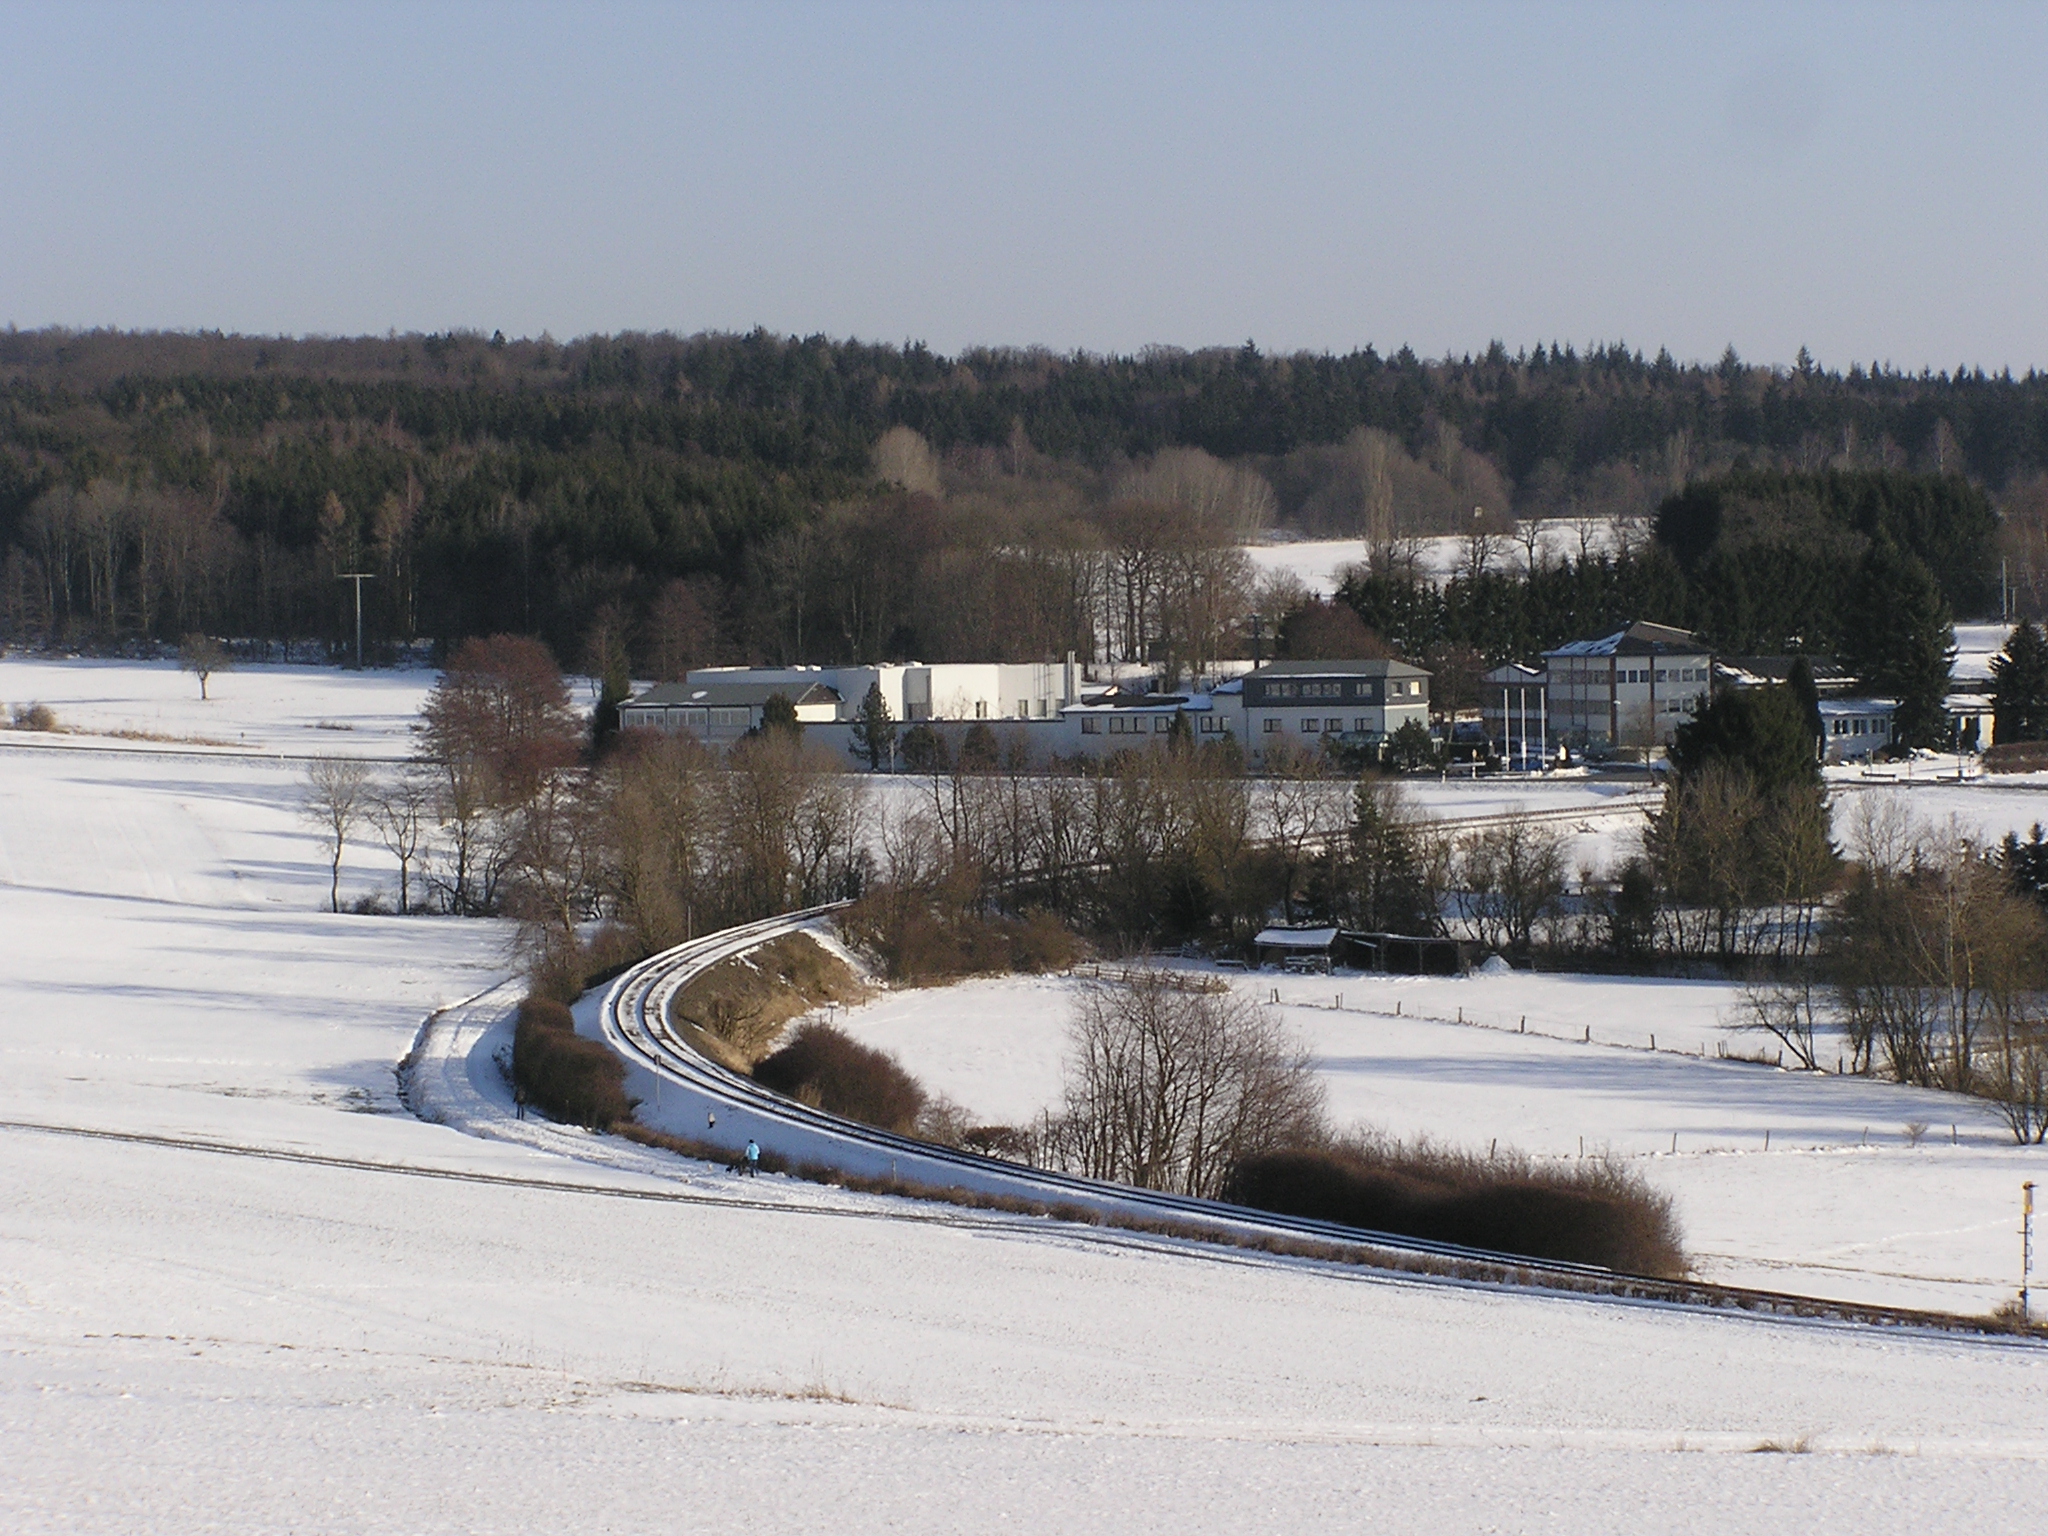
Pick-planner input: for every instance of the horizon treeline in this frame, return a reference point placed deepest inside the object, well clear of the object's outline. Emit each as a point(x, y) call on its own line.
point(675, 501)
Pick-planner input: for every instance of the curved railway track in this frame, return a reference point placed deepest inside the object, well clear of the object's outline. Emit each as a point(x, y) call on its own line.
point(692, 1096)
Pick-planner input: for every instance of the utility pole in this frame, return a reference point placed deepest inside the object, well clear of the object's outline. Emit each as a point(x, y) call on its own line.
point(358, 577)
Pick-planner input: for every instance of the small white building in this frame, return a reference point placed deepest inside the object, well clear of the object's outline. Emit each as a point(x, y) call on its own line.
point(1972, 718)
point(1514, 704)
point(1854, 729)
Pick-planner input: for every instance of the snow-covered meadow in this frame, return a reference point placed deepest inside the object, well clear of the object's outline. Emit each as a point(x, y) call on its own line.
point(347, 1318)
point(1319, 564)
point(1786, 1180)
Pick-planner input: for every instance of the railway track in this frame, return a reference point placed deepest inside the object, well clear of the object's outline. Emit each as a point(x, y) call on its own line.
point(695, 1097)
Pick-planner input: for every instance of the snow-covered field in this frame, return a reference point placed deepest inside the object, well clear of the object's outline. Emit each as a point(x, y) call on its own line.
point(1845, 1201)
point(401, 1326)
point(1319, 564)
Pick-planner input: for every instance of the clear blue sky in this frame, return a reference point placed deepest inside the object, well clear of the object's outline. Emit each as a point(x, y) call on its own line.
point(1864, 180)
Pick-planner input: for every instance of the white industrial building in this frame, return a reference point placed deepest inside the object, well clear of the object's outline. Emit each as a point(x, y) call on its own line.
point(1041, 711)
point(720, 713)
point(914, 691)
point(1631, 689)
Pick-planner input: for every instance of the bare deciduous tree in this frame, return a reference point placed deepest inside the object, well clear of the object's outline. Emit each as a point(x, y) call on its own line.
point(399, 811)
point(337, 795)
point(202, 656)
point(1514, 877)
point(904, 458)
point(1170, 1082)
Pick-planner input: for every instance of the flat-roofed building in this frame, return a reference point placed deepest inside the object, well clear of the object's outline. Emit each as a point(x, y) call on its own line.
point(720, 713)
point(1355, 703)
point(1854, 729)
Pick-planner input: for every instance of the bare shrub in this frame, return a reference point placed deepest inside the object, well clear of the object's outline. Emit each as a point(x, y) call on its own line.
point(567, 1077)
point(922, 941)
point(1169, 1084)
point(746, 1000)
point(1594, 1211)
point(33, 717)
point(830, 1070)
point(1790, 1013)
point(1938, 964)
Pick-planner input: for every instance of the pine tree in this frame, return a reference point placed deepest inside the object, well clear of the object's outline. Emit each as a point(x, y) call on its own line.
point(2019, 678)
point(874, 732)
point(1800, 682)
point(1763, 731)
point(1902, 642)
point(778, 715)
point(1387, 893)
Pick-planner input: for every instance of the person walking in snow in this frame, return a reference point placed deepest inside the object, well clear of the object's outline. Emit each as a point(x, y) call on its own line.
point(753, 1157)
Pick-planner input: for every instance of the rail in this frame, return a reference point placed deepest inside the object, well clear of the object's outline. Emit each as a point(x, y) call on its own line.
point(683, 1091)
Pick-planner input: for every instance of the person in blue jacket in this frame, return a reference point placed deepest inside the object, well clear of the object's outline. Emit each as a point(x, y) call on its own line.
point(753, 1157)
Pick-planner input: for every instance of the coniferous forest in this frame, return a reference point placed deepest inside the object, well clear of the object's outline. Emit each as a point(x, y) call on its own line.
point(669, 501)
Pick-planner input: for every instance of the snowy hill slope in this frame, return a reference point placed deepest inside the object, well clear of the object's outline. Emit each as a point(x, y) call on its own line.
point(215, 1340)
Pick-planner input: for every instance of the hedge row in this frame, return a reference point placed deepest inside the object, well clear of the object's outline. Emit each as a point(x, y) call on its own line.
point(563, 1075)
point(1591, 1212)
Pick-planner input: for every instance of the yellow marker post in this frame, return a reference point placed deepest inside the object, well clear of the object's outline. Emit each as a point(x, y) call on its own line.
point(2026, 1243)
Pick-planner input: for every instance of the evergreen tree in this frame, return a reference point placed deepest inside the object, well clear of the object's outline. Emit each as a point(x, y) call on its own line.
point(1411, 747)
point(2020, 680)
point(1761, 730)
point(2027, 864)
point(874, 732)
point(1902, 643)
point(615, 686)
point(924, 750)
point(778, 714)
point(1386, 892)
point(978, 753)
point(1803, 688)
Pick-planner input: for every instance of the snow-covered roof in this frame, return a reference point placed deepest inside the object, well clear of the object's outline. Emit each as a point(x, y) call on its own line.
point(1134, 703)
point(1832, 708)
point(1639, 639)
point(729, 695)
point(1296, 938)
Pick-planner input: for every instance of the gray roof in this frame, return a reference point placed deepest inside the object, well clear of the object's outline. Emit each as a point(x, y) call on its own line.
point(1380, 668)
point(729, 695)
point(1639, 639)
